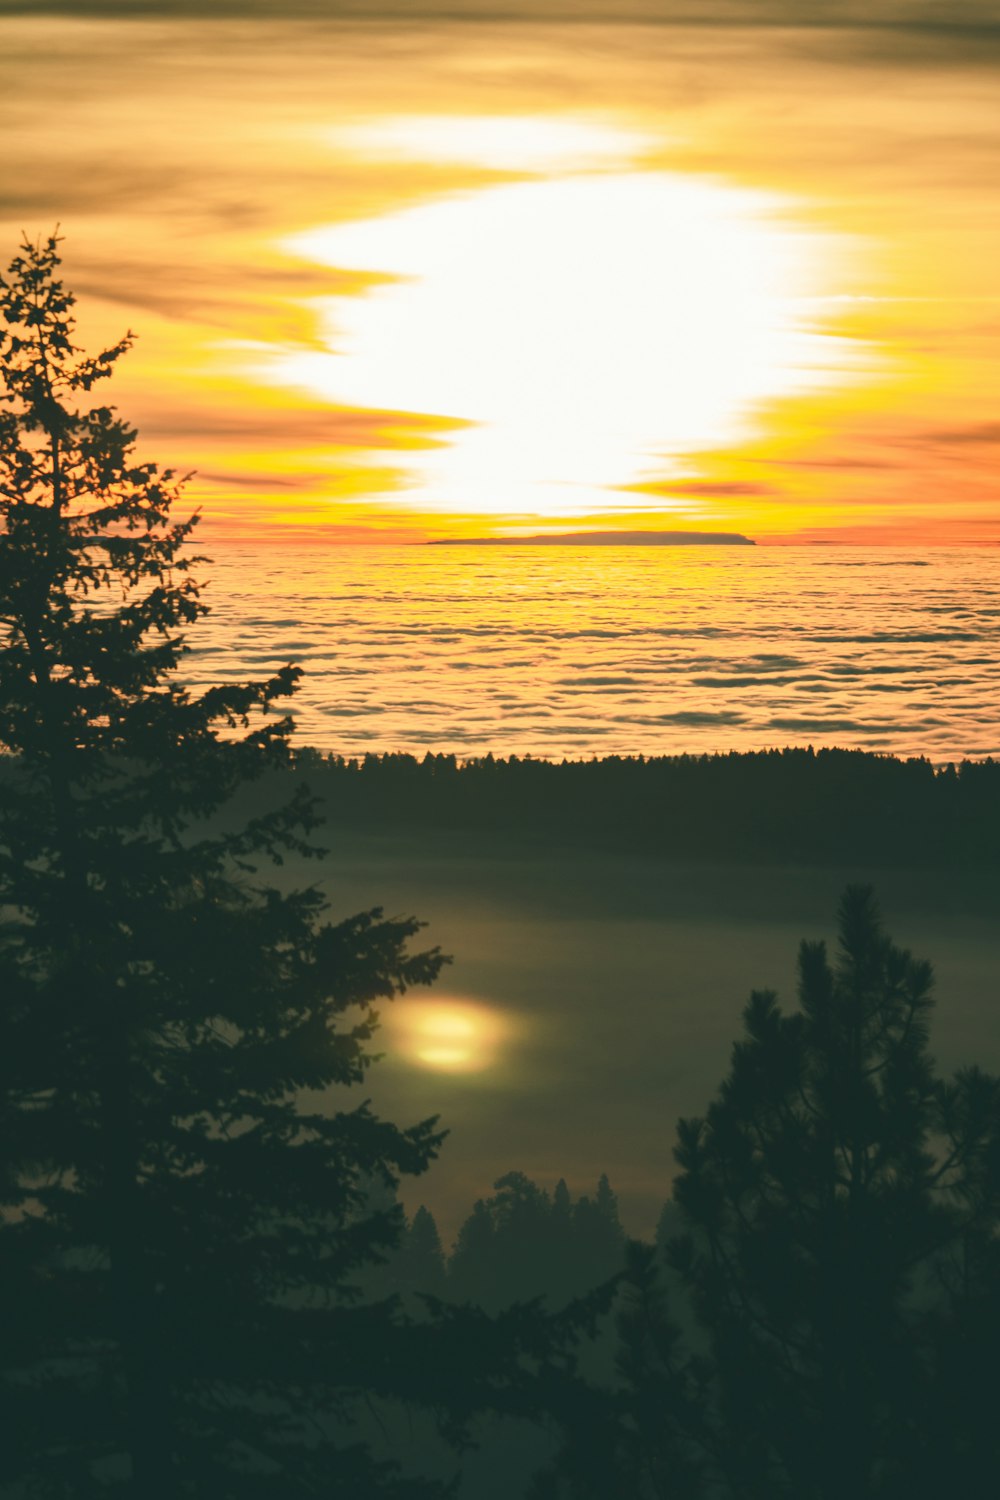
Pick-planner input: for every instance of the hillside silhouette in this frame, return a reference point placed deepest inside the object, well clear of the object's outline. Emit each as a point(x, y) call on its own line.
point(775, 806)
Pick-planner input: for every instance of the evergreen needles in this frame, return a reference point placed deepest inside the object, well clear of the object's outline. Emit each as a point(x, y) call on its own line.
point(185, 1189)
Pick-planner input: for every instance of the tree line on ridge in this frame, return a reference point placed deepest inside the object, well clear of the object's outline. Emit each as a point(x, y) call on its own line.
point(789, 805)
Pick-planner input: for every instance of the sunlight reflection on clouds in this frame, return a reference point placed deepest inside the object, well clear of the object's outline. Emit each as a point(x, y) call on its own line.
point(592, 327)
point(601, 650)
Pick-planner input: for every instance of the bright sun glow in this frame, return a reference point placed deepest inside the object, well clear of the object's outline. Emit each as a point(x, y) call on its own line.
point(455, 1036)
point(592, 329)
point(498, 142)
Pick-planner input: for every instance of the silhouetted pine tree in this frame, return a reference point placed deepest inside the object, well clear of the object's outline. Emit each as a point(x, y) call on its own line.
point(473, 1263)
point(418, 1264)
point(843, 1206)
point(182, 1222)
point(627, 1434)
point(503, 1252)
point(598, 1237)
point(562, 1203)
point(606, 1203)
point(521, 1244)
point(659, 1390)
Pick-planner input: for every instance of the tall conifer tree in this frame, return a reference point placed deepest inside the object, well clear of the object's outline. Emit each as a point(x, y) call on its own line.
point(842, 1204)
point(181, 1221)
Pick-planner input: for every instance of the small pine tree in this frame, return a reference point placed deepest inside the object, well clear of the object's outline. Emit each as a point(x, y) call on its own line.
point(842, 1206)
point(507, 1251)
point(562, 1203)
point(474, 1262)
point(182, 1221)
point(598, 1237)
point(658, 1390)
point(418, 1265)
point(561, 1224)
point(606, 1202)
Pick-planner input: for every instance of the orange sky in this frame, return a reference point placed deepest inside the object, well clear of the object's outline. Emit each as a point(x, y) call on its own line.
point(403, 281)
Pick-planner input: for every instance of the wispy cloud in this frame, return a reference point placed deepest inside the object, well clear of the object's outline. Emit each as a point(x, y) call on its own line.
point(705, 488)
point(960, 437)
point(946, 17)
point(270, 427)
point(832, 464)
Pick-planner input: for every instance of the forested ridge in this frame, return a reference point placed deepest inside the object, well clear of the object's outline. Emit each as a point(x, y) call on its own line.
point(788, 805)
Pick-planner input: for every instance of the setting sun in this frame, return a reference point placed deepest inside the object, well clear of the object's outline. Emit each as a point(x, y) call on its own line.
point(592, 329)
point(472, 282)
point(519, 143)
point(452, 1036)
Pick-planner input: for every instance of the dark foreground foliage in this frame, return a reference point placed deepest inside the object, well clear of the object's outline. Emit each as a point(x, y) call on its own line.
point(842, 1204)
point(190, 1197)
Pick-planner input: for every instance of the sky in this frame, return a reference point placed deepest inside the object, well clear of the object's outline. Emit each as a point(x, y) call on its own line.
point(402, 272)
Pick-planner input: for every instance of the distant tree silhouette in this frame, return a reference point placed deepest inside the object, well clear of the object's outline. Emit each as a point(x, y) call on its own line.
point(842, 1206)
point(598, 1237)
point(606, 1203)
point(659, 1389)
point(561, 1227)
point(472, 1267)
point(521, 1244)
point(418, 1264)
point(501, 1254)
point(766, 805)
point(182, 1223)
point(630, 1429)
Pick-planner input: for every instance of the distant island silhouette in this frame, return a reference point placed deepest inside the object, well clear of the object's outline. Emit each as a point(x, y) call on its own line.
point(603, 539)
